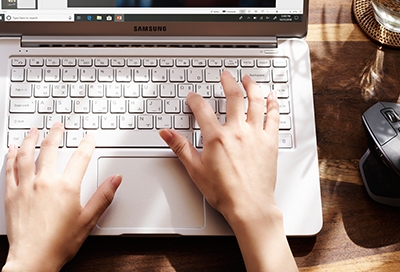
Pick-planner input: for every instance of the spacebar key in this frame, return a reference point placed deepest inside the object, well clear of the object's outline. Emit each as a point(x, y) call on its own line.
point(131, 138)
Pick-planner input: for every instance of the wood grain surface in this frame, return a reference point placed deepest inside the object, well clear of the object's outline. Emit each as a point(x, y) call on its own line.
point(350, 74)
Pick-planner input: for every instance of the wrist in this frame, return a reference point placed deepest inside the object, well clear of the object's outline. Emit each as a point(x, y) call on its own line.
point(267, 215)
point(28, 262)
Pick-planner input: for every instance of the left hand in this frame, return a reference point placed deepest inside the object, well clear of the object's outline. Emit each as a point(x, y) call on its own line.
point(46, 223)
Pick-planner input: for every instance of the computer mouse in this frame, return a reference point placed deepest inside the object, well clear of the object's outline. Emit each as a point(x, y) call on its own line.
point(380, 165)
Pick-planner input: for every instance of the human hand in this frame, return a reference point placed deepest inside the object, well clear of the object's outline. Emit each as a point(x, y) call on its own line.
point(236, 171)
point(46, 224)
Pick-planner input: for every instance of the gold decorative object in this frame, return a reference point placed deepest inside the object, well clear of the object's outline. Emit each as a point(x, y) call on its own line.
point(364, 14)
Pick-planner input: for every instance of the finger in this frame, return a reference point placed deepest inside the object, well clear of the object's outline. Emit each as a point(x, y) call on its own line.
point(77, 165)
point(25, 156)
point(11, 171)
point(100, 200)
point(255, 111)
point(204, 114)
point(47, 160)
point(234, 98)
point(272, 118)
point(186, 153)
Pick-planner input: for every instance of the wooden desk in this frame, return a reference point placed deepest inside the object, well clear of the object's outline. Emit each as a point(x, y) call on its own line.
point(358, 234)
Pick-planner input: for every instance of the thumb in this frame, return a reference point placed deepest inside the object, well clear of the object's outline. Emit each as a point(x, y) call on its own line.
point(185, 151)
point(101, 199)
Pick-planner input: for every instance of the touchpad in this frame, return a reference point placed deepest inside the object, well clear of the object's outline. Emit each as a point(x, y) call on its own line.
point(155, 193)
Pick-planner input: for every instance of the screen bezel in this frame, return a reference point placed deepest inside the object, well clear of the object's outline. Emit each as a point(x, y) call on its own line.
point(256, 29)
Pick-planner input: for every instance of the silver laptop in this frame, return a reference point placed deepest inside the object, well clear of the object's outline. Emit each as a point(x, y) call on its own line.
point(121, 69)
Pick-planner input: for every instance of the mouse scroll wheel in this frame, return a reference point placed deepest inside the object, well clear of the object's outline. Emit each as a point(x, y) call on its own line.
point(392, 116)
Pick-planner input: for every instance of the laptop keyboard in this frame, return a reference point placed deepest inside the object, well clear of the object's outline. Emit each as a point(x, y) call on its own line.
point(124, 101)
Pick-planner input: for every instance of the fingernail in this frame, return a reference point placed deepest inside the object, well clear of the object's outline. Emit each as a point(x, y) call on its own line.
point(57, 124)
point(166, 135)
point(272, 95)
point(11, 148)
point(90, 135)
point(190, 94)
point(116, 180)
point(32, 130)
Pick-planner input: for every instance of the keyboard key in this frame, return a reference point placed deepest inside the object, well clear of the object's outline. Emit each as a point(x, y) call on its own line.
point(118, 62)
point(195, 75)
point(280, 75)
point(285, 141)
point(163, 121)
point(231, 63)
point(22, 106)
point(34, 75)
point(136, 106)
point(108, 122)
point(36, 62)
point(182, 63)
point(263, 63)
point(70, 75)
point(72, 122)
point(25, 121)
point(18, 62)
point(213, 75)
point(52, 75)
point(17, 75)
point(172, 106)
point(124, 75)
point(151, 62)
point(247, 63)
point(64, 106)
point(280, 62)
point(45, 106)
point(131, 138)
point(145, 122)
point(91, 121)
point(127, 122)
point(177, 75)
point(159, 75)
point(199, 62)
point(285, 122)
point(15, 137)
point(101, 62)
point(141, 75)
point(166, 62)
point(74, 138)
point(106, 75)
point(60, 90)
point(51, 119)
point(182, 122)
point(85, 62)
point(21, 90)
point(258, 74)
point(215, 62)
point(131, 90)
point(88, 75)
point(100, 106)
point(134, 62)
point(69, 62)
point(185, 89)
point(42, 90)
point(52, 62)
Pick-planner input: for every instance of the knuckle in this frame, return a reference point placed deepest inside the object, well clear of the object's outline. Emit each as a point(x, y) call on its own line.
point(179, 147)
point(83, 154)
point(48, 141)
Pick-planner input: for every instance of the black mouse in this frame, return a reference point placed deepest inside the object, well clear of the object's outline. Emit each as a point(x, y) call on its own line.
point(380, 165)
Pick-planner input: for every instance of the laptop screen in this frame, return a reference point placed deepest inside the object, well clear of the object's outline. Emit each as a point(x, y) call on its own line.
point(143, 17)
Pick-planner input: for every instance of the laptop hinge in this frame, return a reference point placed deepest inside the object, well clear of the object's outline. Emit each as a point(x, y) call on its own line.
point(142, 41)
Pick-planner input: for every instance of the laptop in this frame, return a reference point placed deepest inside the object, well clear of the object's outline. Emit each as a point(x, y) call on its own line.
point(121, 69)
